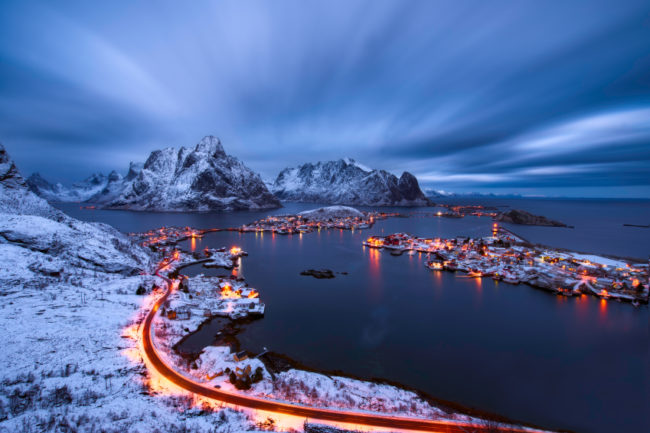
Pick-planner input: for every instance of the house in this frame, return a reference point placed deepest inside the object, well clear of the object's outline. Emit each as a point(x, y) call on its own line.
point(181, 314)
point(240, 356)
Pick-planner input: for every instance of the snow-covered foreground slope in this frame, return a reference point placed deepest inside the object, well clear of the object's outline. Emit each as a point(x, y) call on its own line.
point(347, 182)
point(69, 359)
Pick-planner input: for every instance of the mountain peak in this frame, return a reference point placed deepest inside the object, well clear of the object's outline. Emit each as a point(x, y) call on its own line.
point(9, 174)
point(211, 145)
point(345, 181)
point(202, 179)
point(350, 161)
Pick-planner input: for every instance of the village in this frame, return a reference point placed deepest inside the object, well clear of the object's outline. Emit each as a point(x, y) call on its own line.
point(204, 296)
point(505, 256)
point(456, 211)
point(166, 236)
point(194, 300)
point(333, 217)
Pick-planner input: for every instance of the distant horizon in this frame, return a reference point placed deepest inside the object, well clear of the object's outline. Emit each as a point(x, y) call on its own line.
point(468, 192)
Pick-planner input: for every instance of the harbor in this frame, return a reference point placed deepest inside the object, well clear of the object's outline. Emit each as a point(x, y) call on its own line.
point(505, 256)
point(391, 304)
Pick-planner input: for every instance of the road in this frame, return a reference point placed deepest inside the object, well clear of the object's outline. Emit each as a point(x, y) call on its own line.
point(359, 418)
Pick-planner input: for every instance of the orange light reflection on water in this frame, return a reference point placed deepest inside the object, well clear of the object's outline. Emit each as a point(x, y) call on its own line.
point(374, 261)
point(602, 309)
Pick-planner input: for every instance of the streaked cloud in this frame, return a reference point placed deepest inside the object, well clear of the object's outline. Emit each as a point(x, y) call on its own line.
point(539, 97)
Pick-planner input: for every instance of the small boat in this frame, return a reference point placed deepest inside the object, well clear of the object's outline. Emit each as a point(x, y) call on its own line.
point(473, 273)
point(636, 303)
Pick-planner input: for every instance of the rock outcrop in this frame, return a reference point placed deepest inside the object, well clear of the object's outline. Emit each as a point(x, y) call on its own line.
point(517, 216)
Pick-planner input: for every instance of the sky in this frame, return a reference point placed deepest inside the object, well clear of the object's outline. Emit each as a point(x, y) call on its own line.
point(528, 97)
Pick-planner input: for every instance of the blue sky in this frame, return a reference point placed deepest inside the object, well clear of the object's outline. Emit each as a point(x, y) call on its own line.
point(515, 96)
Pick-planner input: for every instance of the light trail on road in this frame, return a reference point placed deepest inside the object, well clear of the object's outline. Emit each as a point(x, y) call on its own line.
point(341, 416)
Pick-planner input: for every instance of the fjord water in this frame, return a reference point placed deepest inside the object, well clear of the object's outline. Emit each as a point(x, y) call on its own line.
point(579, 364)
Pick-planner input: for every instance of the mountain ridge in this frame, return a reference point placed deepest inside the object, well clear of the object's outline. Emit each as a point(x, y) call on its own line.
point(203, 178)
point(347, 182)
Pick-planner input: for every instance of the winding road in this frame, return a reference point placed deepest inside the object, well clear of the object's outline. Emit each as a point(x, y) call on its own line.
point(342, 416)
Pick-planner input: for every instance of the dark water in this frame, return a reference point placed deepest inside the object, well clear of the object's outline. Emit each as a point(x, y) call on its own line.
point(598, 223)
point(579, 364)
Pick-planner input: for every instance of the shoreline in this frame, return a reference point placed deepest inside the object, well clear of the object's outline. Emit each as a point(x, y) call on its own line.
point(455, 422)
point(278, 362)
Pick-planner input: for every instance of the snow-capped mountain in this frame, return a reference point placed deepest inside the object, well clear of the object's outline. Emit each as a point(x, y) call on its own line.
point(56, 192)
point(115, 184)
point(438, 193)
point(347, 182)
point(199, 179)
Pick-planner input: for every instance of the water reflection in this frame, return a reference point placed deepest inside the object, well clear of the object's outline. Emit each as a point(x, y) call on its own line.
point(376, 284)
point(374, 255)
point(602, 309)
point(238, 270)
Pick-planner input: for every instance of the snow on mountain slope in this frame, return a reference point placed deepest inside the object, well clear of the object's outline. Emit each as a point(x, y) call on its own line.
point(78, 192)
point(199, 179)
point(326, 213)
point(347, 182)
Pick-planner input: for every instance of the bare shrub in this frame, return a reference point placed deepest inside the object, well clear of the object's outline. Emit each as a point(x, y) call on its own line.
point(59, 396)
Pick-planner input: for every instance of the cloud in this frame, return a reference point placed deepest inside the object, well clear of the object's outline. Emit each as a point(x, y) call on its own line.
point(467, 95)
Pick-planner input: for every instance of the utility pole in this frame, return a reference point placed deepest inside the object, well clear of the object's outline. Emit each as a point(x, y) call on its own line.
point(647, 295)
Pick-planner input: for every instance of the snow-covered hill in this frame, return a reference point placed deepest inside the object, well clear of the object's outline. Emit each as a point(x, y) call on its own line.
point(69, 359)
point(50, 241)
point(347, 182)
point(330, 212)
